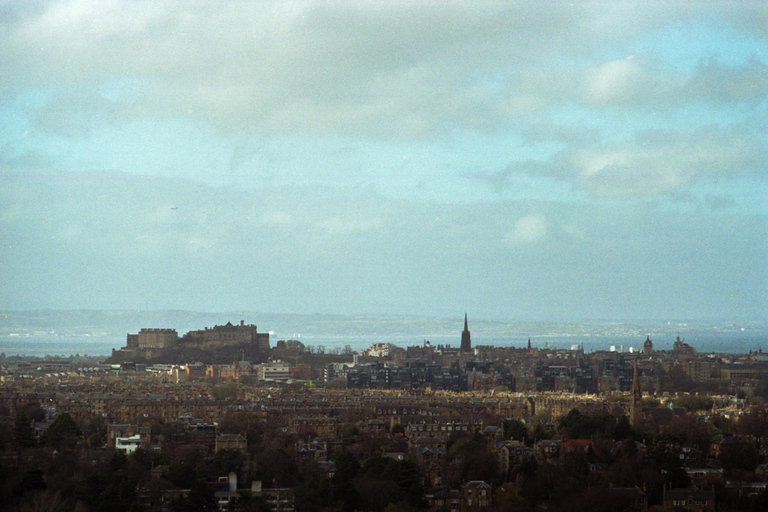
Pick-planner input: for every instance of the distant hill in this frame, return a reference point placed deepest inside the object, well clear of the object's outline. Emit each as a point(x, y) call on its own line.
point(362, 330)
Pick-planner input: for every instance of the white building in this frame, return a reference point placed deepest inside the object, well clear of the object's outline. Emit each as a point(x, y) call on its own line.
point(378, 350)
point(128, 444)
point(274, 371)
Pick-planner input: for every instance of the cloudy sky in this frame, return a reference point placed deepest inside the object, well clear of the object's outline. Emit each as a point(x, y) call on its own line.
point(516, 160)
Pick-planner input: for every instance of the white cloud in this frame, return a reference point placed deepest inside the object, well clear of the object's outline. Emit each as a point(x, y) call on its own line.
point(277, 219)
point(527, 230)
point(614, 81)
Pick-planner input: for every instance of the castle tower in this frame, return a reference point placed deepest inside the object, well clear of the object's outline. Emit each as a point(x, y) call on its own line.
point(636, 400)
point(466, 340)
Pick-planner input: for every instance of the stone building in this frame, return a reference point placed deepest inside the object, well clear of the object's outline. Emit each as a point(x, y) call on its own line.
point(157, 338)
point(230, 334)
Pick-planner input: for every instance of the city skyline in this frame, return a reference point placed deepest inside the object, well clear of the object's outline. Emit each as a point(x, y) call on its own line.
point(514, 160)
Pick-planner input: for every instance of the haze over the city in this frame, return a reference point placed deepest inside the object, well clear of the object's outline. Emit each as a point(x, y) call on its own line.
point(516, 160)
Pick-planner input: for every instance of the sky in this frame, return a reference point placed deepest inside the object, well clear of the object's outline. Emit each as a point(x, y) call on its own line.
point(515, 160)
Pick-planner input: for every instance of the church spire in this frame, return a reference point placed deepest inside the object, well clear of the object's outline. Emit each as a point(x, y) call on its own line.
point(466, 339)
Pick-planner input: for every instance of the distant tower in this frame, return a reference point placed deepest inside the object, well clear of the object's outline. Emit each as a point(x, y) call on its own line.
point(466, 340)
point(636, 400)
point(648, 346)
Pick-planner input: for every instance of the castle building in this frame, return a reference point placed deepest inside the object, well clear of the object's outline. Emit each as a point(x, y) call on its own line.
point(466, 339)
point(157, 338)
point(230, 334)
point(149, 343)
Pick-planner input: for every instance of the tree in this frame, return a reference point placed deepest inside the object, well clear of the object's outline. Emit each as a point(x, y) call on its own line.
point(347, 467)
point(33, 480)
point(63, 432)
point(23, 433)
point(673, 471)
point(577, 425)
point(202, 498)
point(622, 429)
point(222, 463)
point(181, 475)
point(249, 503)
point(516, 429)
point(226, 391)
point(295, 345)
point(118, 461)
point(677, 380)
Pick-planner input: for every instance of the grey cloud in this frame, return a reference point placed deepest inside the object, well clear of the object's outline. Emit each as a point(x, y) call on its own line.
point(657, 162)
point(720, 84)
point(719, 202)
point(395, 69)
point(645, 83)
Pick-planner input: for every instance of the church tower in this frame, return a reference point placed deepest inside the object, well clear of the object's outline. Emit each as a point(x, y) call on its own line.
point(466, 340)
point(648, 346)
point(636, 400)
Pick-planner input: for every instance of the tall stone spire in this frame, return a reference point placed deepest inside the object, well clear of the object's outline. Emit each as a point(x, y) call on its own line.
point(636, 400)
point(466, 340)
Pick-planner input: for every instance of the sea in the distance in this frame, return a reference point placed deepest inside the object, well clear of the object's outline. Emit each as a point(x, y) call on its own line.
point(731, 342)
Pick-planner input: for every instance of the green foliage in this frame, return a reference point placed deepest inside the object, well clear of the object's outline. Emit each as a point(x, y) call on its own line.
point(277, 467)
point(62, 432)
point(577, 425)
point(622, 429)
point(95, 441)
point(141, 458)
point(248, 503)
point(201, 498)
point(668, 461)
point(118, 496)
point(744, 456)
point(23, 433)
point(347, 468)
point(181, 475)
point(33, 480)
point(677, 380)
point(36, 414)
point(761, 389)
point(693, 403)
point(118, 461)
point(295, 345)
point(222, 463)
point(174, 432)
point(516, 429)
point(228, 391)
